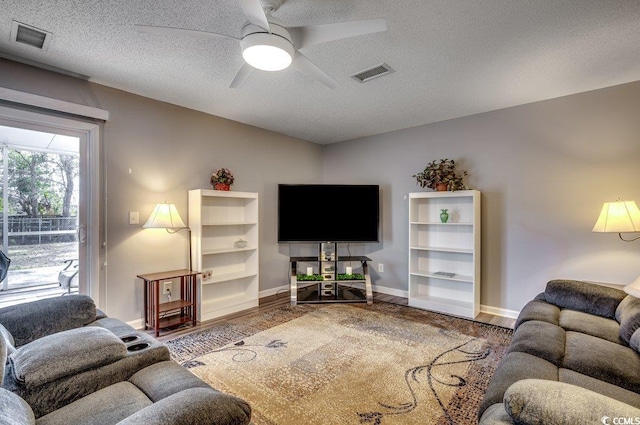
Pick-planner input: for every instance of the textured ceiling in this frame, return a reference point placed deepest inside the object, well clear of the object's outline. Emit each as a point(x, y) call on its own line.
point(452, 57)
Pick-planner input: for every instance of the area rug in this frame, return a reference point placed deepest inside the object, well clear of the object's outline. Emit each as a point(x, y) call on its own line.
point(349, 364)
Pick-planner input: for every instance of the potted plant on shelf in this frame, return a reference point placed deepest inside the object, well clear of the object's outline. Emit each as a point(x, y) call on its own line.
point(222, 179)
point(441, 175)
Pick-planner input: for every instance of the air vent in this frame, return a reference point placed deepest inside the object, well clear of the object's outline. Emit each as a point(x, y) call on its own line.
point(31, 36)
point(371, 73)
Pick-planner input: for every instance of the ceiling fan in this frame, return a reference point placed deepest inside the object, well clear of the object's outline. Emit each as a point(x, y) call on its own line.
point(267, 44)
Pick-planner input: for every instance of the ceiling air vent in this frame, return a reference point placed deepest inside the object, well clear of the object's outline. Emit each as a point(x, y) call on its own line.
point(371, 73)
point(31, 36)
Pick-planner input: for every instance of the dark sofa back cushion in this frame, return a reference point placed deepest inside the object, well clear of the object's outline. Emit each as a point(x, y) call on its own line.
point(582, 296)
point(30, 321)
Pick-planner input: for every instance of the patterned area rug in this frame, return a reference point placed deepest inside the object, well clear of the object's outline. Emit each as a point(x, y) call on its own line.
point(349, 364)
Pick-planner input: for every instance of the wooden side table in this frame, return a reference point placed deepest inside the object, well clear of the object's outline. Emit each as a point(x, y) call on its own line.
point(176, 312)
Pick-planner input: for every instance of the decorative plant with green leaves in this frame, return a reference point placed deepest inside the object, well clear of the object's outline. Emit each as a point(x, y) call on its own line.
point(441, 172)
point(222, 176)
point(313, 277)
point(354, 276)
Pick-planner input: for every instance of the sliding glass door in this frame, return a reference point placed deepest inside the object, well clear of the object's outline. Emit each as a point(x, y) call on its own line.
point(47, 208)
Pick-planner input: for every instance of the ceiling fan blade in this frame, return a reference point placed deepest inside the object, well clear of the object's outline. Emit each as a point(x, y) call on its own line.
point(241, 76)
point(255, 13)
point(303, 65)
point(180, 32)
point(315, 34)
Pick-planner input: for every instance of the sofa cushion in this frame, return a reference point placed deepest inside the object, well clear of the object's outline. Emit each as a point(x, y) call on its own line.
point(628, 315)
point(14, 410)
point(65, 353)
point(539, 310)
point(571, 377)
point(116, 326)
point(540, 339)
point(202, 406)
point(590, 324)
point(30, 321)
point(8, 339)
point(535, 401)
point(604, 360)
point(496, 415)
point(582, 296)
point(106, 406)
point(165, 378)
point(5, 346)
point(635, 340)
point(514, 367)
point(3, 359)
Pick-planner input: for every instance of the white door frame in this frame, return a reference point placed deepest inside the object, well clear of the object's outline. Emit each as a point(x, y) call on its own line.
point(90, 132)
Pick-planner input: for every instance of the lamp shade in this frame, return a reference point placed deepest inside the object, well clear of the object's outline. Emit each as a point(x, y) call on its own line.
point(164, 216)
point(618, 217)
point(633, 288)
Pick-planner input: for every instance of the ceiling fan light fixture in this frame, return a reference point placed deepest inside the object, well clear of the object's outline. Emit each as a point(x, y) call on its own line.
point(267, 52)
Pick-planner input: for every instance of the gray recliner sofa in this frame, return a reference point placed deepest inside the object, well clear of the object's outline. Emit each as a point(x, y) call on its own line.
point(574, 358)
point(62, 361)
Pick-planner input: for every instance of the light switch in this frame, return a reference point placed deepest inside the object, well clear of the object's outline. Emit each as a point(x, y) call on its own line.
point(134, 217)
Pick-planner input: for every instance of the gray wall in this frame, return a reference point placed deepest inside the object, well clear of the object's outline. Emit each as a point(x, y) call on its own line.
point(544, 170)
point(170, 150)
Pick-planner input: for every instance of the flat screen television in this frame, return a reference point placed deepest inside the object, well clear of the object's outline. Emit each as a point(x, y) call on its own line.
point(328, 213)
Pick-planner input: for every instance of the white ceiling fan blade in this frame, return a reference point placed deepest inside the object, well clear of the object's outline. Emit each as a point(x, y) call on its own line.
point(255, 13)
point(180, 32)
point(315, 34)
point(241, 76)
point(303, 65)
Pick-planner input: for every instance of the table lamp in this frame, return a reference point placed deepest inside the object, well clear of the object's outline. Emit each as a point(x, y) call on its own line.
point(619, 217)
point(165, 216)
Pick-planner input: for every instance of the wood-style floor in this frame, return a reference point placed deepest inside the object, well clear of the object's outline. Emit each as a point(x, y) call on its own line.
point(273, 301)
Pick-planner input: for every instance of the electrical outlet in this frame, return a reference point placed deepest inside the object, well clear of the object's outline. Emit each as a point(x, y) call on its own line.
point(134, 217)
point(380, 267)
point(167, 287)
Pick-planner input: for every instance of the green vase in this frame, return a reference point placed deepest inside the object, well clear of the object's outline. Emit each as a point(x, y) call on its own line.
point(444, 215)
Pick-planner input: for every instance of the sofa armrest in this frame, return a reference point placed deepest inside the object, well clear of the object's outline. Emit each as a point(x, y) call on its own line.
point(203, 406)
point(537, 401)
point(63, 354)
point(30, 321)
point(583, 296)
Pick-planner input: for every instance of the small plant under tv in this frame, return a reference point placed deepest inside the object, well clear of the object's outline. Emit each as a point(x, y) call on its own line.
point(310, 278)
point(353, 276)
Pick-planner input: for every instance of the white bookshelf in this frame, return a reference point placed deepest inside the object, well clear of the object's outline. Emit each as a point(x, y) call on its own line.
point(452, 247)
point(229, 280)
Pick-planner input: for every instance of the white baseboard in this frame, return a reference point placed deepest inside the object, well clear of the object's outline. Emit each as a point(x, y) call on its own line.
point(496, 311)
point(137, 324)
point(391, 291)
point(274, 291)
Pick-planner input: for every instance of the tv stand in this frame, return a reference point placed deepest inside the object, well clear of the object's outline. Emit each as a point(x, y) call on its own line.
point(325, 284)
